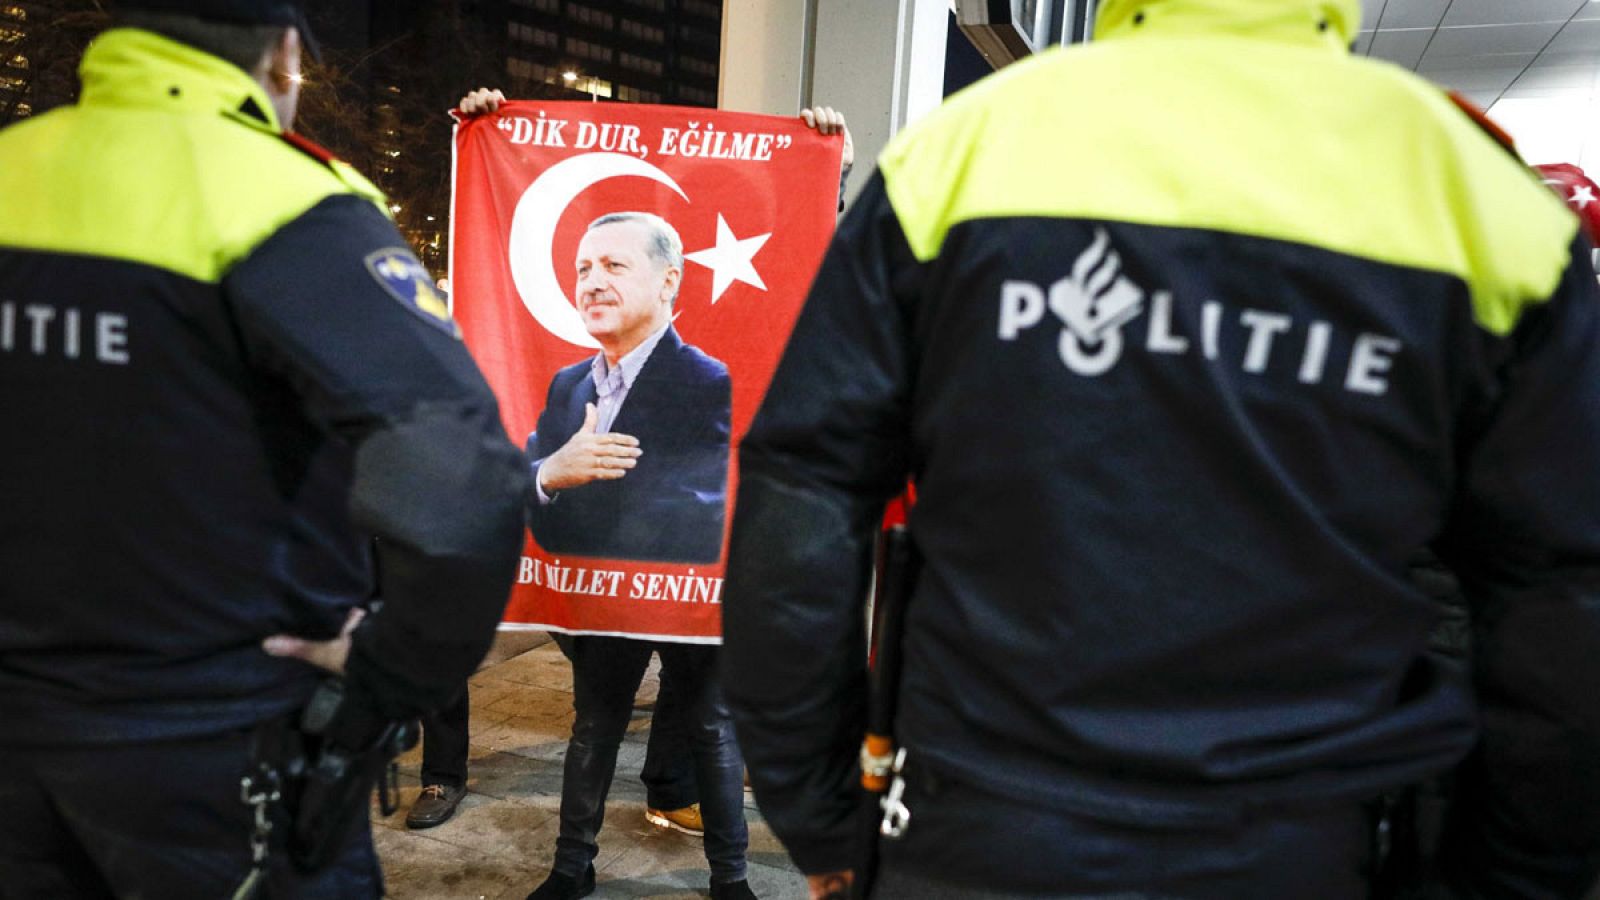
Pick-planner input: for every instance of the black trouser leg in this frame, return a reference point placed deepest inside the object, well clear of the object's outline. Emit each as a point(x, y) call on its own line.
point(668, 772)
point(444, 744)
point(605, 676)
point(719, 767)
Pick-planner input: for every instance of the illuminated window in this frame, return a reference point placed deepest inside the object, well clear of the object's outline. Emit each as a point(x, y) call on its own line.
point(535, 36)
point(588, 50)
point(697, 97)
point(643, 32)
point(637, 95)
point(698, 66)
point(589, 16)
point(640, 63)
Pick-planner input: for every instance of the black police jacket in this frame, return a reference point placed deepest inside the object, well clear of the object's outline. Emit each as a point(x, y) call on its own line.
point(1192, 340)
point(222, 374)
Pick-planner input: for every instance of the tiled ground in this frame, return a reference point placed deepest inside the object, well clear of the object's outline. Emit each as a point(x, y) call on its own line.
point(500, 842)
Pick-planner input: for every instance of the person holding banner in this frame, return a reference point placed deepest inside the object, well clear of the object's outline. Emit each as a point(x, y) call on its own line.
point(630, 457)
point(1188, 372)
point(629, 268)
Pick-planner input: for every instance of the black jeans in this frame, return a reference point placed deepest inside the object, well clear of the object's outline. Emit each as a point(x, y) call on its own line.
point(151, 820)
point(606, 676)
point(668, 771)
point(444, 744)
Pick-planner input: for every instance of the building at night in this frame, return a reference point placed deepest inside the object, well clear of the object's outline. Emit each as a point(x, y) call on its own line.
point(641, 51)
point(392, 68)
point(14, 61)
point(40, 44)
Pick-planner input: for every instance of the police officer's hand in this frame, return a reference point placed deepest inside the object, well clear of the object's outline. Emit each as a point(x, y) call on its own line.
point(831, 886)
point(589, 456)
point(827, 120)
point(481, 102)
point(329, 654)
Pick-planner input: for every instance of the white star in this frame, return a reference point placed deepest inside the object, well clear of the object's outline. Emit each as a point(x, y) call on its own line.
point(1582, 195)
point(730, 259)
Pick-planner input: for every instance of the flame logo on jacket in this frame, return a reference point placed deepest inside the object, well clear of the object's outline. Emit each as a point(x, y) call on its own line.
point(1093, 304)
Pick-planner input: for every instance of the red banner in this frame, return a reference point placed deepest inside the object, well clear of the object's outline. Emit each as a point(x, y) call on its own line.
point(627, 277)
point(1580, 193)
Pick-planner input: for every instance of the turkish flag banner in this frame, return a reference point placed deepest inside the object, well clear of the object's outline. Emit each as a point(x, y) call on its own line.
point(1580, 193)
point(627, 277)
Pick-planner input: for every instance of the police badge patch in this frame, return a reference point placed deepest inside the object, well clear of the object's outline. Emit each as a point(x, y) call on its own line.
point(408, 281)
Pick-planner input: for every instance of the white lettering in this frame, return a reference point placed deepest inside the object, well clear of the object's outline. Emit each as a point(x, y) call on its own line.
point(521, 130)
point(549, 134)
point(1021, 306)
point(1316, 358)
point(1161, 339)
point(741, 146)
point(41, 316)
point(1091, 339)
point(1262, 325)
point(525, 571)
point(51, 329)
point(70, 334)
point(630, 141)
point(1210, 323)
point(111, 338)
point(1368, 362)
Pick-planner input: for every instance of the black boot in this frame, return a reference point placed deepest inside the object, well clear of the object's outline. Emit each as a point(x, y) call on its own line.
point(565, 887)
point(732, 890)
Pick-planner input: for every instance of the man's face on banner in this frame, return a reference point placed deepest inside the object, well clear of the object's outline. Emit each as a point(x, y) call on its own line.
point(624, 294)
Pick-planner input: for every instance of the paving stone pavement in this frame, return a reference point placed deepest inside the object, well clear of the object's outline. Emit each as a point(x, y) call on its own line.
point(500, 842)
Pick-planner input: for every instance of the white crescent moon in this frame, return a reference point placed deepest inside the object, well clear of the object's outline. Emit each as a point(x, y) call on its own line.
point(533, 232)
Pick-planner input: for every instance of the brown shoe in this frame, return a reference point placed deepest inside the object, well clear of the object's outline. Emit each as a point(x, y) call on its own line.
point(686, 820)
point(434, 806)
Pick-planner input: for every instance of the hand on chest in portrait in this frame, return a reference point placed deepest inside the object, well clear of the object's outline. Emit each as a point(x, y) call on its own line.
point(671, 505)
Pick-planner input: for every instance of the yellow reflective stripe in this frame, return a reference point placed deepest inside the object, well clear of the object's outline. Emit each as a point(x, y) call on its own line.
point(1283, 142)
point(190, 194)
point(157, 164)
point(1307, 21)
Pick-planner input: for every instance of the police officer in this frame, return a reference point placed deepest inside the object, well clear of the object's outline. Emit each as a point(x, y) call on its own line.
point(222, 374)
point(1192, 339)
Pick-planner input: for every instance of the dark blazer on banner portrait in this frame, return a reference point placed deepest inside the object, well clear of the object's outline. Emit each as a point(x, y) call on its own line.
point(671, 506)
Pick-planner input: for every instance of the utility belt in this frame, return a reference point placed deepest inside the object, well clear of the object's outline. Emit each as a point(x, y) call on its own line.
point(306, 778)
point(927, 809)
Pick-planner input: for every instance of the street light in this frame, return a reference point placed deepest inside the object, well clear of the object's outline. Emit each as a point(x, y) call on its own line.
point(571, 78)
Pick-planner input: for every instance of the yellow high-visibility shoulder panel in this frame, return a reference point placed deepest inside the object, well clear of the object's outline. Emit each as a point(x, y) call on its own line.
point(192, 187)
point(1291, 142)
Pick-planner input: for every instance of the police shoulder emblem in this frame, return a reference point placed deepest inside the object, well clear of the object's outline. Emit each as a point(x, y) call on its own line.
point(399, 273)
